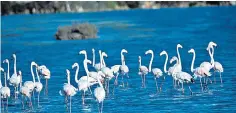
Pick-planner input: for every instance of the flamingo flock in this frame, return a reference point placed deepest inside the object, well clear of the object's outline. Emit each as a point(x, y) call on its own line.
point(104, 74)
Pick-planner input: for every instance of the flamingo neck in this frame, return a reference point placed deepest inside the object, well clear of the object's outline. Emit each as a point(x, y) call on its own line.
point(99, 82)
point(37, 75)
point(103, 62)
point(150, 63)
point(93, 59)
point(193, 60)
point(179, 58)
point(68, 78)
point(76, 74)
point(140, 62)
point(86, 67)
point(100, 54)
point(5, 79)
point(32, 73)
point(212, 56)
point(8, 71)
point(166, 63)
point(14, 65)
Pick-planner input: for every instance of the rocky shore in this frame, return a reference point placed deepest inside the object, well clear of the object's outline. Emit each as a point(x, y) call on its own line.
point(41, 7)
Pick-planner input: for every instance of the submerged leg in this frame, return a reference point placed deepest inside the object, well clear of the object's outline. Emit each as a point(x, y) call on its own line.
point(101, 106)
point(156, 84)
point(221, 80)
point(22, 101)
point(201, 83)
point(123, 84)
point(83, 95)
point(183, 87)
point(127, 82)
point(38, 98)
point(215, 77)
point(190, 90)
point(144, 81)
point(116, 80)
point(70, 104)
point(162, 83)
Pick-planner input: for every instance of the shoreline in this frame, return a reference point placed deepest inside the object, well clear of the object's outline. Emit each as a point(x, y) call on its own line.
point(18, 8)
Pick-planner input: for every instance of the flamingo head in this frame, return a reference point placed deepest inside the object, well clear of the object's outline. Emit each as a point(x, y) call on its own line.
point(6, 61)
point(211, 45)
point(19, 72)
point(124, 51)
point(163, 52)
point(34, 64)
point(179, 46)
point(104, 54)
point(14, 55)
point(148, 52)
point(191, 50)
point(67, 72)
point(82, 52)
point(1, 69)
point(93, 50)
point(75, 65)
point(88, 61)
point(139, 58)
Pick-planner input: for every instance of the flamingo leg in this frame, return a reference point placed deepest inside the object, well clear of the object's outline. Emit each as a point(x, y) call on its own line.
point(70, 104)
point(127, 74)
point(98, 107)
point(123, 84)
point(90, 90)
point(38, 98)
point(156, 84)
point(101, 106)
point(183, 87)
point(190, 90)
point(162, 83)
point(221, 79)
point(108, 86)
point(215, 77)
point(7, 103)
point(83, 94)
point(15, 92)
point(22, 101)
point(201, 83)
point(144, 81)
point(116, 80)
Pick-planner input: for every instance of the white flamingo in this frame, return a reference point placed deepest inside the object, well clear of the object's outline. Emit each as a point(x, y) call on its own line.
point(85, 81)
point(143, 71)
point(14, 80)
point(217, 65)
point(31, 84)
point(68, 89)
point(199, 71)
point(184, 77)
point(5, 91)
point(106, 71)
point(207, 65)
point(100, 93)
point(124, 69)
point(156, 71)
point(46, 74)
point(38, 85)
point(165, 70)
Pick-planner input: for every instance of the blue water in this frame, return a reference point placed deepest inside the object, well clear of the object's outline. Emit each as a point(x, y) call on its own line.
point(31, 37)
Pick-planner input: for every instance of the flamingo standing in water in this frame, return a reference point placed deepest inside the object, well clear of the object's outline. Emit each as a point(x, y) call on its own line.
point(5, 91)
point(100, 93)
point(199, 71)
point(15, 79)
point(46, 74)
point(31, 84)
point(85, 81)
point(124, 69)
point(143, 71)
point(217, 66)
point(38, 85)
point(165, 70)
point(24, 91)
point(68, 89)
point(156, 71)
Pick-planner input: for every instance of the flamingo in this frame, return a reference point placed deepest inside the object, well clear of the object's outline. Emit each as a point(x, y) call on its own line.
point(68, 89)
point(165, 70)
point(124, 69)
point(143, 71)
point(38, 85)
point(172, 71)
point(217, 65)
point(85, 81)
point(5, 91)
point(184, 77)
point(14, 80)
point(46, 74)
point(199, 71)
point(156, 71)
point(100, 93)
point(207, 65)
point(106, 71)
point(1, 70)
point(31, 84)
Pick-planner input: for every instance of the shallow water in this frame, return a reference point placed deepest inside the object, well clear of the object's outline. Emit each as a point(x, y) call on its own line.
point(31, 38)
